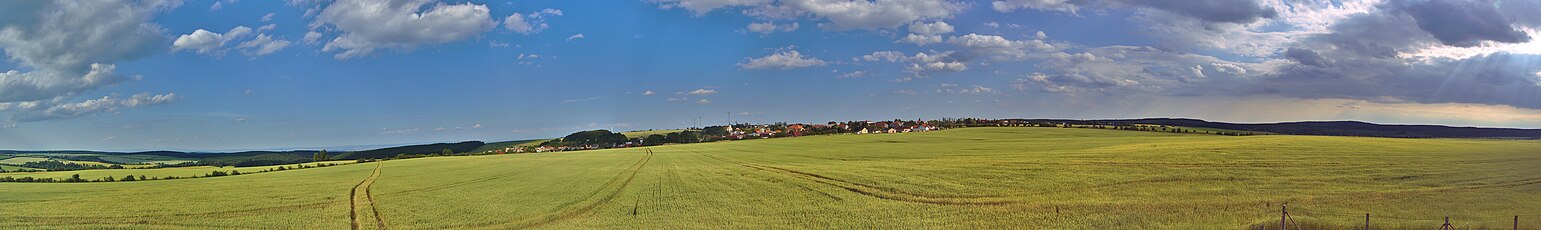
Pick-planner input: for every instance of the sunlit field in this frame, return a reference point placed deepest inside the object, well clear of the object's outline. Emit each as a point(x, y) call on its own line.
point(1054, 178)
point(191, 171)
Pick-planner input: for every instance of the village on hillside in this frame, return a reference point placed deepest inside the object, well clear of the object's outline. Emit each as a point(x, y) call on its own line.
point(604, 139)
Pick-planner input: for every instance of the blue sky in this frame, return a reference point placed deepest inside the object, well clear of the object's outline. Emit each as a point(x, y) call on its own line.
point(190, 75)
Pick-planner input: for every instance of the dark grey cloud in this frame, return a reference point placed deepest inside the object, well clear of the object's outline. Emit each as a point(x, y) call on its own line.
point(1220, 11)
point(1307, 57)
point(1464, 23)
point(1228, 11)
point(1133, 69)
point(1381, 35)
point(1504, 79)
point(1371, 56)
point(1364, 57)
point(1522, 13)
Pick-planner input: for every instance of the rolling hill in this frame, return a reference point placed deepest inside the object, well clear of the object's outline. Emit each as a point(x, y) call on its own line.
point(970, 178)
point(1326, 128)
point(461, 147)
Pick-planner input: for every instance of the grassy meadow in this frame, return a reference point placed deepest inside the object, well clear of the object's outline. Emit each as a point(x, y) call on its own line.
point(506, 144)
point(158, 172)
point(8, 168)
point(25, 159)
point(1054, 178)
point(645, 133)
point(21, 160)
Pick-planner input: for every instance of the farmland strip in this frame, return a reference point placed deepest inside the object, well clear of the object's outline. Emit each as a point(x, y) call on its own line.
point(590, 207)
point(353, 199)
point(876, 192)
point(623, 179)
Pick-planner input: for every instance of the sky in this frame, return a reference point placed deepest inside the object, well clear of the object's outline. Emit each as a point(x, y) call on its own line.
point(225, 75)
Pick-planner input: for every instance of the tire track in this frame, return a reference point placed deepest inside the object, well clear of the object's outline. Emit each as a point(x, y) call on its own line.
point(354, 199)
point(570, 213)
point(599, 198)
point(868, 190)
point(463, 183)
point(215, 214)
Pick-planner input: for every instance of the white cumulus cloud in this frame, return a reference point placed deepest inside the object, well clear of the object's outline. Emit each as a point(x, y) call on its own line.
point(771, 27)
point(210, 43)
point(931, 28)
point(66, 48)
point(833, 14)
point(783, 58)
point(530, 23)
point(702, 92)
point(370, 25)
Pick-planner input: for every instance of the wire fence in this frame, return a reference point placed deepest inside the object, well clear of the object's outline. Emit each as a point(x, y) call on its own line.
point(1286, 219)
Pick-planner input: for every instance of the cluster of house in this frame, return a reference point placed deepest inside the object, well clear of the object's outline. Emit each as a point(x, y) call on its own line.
point(543, 149)
point(885, 127)
point(759, 132)
point(746, 131)
point(740, 132)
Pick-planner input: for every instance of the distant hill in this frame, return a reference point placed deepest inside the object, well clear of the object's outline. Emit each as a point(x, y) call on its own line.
point(462, 147)
point(645, 133)
point(1321, 128)
point(1328, 128)
point(247, 158)
point(302, 153)
point(506, 144)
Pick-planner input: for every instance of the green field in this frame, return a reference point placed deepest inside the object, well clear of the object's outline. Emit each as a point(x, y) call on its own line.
point(506, 144)
point(160, 172)
point(1011, 178)
point(1200, 130)
point(21, 160)
point(25, 159)
point(8, 168)
point(144, 159)
point(645, 133)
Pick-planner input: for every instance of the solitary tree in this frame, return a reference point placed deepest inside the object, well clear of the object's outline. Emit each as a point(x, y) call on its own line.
point(447, 152)
point(320, 156)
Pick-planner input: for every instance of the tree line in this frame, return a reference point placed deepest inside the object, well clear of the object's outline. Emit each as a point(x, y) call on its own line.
point(606, 139)
point(56, 165)
point(215, 173)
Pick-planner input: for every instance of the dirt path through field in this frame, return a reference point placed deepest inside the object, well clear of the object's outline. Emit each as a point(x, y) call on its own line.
point(355, 201)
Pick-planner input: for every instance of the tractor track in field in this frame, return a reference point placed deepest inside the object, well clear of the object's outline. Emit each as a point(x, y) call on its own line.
point(137, 223)
point(216, 214)
point(457, 184)
point(868, 190)
point(570, 213)
point(598, 196)
point(353, 199)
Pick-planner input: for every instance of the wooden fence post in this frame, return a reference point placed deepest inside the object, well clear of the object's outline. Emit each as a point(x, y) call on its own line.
point(1284, 212)
point(1366, 221)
